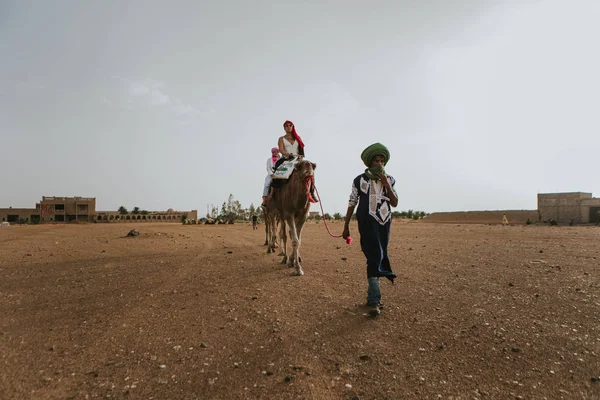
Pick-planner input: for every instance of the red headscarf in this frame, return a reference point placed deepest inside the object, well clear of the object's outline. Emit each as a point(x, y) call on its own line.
point(275, 154)
point(295, 135)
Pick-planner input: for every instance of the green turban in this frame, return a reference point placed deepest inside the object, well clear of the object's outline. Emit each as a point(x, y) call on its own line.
point(376, 149)
point(368, 155)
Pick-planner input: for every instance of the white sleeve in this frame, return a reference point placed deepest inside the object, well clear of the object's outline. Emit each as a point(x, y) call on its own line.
point(270, 166)
point(393, 185)
point(353, 201)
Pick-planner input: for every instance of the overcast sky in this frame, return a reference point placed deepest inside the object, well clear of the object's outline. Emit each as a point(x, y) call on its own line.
point(157, 104)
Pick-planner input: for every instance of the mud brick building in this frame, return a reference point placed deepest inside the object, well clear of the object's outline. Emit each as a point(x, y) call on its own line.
point(83, 209)
point(146, 216)
point(53, 209)
point(579, 207)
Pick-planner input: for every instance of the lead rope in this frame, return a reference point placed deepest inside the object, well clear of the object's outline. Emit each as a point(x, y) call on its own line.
point(349, 239)
point(307, 181)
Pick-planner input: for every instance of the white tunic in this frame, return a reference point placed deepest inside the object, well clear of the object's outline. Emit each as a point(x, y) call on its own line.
point(290, 148)
point(270, 165)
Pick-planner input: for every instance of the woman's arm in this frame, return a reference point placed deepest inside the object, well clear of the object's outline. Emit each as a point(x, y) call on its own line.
point(282, 148)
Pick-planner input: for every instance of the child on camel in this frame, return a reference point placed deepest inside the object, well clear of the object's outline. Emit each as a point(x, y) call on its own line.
point(271, 161)
point(374, 193)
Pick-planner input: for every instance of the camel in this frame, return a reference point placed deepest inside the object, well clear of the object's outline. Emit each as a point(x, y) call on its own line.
point(290, 204)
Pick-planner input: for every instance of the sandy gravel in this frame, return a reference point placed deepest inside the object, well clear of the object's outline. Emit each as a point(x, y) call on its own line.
point(202, 312)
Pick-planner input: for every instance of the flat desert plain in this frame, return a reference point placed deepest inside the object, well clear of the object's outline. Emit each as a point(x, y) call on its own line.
point(202, 312)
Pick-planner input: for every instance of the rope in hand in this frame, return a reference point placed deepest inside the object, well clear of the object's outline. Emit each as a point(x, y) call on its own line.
point(349, 239)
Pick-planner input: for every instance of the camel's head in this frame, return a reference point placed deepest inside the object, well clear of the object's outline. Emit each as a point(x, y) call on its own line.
point(305, 168)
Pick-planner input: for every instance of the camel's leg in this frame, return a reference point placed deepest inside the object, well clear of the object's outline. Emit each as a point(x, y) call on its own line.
point(295, 245)
point(282, 251)
point(266, 233)
point(299, 224)
point(275, 234)
point(268, 230)
point(272, 234)
point(283, 241)
point(291, 258)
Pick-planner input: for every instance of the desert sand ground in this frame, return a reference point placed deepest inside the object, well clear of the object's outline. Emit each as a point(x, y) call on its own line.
point(202, 312)
point(518, 217)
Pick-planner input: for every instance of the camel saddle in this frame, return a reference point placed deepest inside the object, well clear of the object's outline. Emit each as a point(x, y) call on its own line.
point(285, 169)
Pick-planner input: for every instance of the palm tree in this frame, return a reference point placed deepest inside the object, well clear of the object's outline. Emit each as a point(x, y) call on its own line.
point(136, 210)
point(122, 210)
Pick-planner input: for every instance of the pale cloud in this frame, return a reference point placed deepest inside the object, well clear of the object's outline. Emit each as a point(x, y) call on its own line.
point(137, 89)
point(155, 93)
point(184, 109)
point(150, 91)
point(158, 98)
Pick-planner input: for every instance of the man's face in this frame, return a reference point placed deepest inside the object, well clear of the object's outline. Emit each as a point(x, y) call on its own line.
point(378, 160)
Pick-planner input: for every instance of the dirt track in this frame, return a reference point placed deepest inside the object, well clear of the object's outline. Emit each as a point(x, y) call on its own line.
point(201, 312)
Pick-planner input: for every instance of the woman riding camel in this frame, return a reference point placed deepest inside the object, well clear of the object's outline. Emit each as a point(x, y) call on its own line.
point(290, 143)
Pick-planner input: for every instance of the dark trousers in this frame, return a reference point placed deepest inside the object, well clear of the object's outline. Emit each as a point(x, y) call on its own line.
point(374, 239)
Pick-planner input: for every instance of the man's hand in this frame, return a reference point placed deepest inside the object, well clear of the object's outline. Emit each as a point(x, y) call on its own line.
point(346, 232)
point(388, 188)
point(384, 181)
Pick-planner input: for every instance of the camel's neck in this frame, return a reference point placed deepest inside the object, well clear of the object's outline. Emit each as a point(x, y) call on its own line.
point(299, 192)
point(302, 192)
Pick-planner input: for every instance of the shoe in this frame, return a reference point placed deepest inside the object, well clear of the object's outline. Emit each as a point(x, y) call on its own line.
point(374, 311)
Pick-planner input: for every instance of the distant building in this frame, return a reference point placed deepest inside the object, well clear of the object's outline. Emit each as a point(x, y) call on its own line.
point(146, 216)
point(68, 209)
point(579, 207)
point(53, 209)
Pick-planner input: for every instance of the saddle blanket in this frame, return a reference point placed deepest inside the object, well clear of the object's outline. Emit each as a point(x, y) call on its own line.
point(285, 169)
